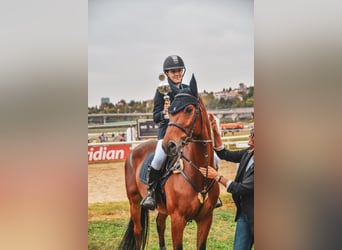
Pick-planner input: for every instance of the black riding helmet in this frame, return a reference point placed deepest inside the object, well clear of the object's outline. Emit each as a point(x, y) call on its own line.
point(173, 62)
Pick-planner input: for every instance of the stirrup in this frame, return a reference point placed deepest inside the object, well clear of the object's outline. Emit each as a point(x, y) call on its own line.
point(149, 201)
point(151, 204)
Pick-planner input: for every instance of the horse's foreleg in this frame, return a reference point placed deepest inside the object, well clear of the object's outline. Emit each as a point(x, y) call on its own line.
point(203, 227)
point(178, 224)
point(161, 225)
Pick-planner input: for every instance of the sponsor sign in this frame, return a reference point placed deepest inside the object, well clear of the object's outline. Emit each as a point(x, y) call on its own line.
point(147, 128)
point(108, 153)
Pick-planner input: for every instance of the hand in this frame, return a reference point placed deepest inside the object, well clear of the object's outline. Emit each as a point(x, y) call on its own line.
point(217, 136)
point(212, 173)
point(166, 106)
point(213, 123)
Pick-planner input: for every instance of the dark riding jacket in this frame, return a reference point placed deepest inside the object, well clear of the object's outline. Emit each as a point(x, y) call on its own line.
point(158, 116)
point(242, 188)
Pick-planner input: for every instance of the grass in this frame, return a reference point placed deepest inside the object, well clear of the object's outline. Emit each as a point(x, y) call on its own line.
point(107, 223)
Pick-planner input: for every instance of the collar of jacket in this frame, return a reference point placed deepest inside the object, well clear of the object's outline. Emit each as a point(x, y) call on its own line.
point(171, 82)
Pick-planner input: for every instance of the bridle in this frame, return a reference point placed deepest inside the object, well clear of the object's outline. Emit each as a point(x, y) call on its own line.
point(189, 132)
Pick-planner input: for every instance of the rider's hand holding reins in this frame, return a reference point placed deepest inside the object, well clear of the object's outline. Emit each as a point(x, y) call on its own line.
point(166, 106)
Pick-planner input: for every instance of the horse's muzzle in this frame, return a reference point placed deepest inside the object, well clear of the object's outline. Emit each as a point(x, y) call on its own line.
point(171, 148)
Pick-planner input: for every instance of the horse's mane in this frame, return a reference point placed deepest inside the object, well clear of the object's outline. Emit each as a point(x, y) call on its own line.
point(205, 114)
point(206, 123)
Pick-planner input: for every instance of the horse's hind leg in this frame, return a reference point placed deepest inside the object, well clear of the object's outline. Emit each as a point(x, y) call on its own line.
point(136, 235)
point(140, 217)
point(137, 230)
point(161, 225)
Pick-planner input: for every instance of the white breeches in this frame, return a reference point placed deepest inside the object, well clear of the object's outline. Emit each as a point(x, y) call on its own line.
point(159, 156)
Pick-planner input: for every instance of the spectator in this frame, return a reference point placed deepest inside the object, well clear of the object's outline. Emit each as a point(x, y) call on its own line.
point(102, 138)
point(242, 188)
point(122, 137)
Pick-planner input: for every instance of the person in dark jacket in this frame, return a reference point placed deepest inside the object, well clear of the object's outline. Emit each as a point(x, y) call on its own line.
point(174, 69)
point(241, 188)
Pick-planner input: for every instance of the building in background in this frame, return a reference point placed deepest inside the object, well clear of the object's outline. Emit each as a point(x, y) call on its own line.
point(105, 100)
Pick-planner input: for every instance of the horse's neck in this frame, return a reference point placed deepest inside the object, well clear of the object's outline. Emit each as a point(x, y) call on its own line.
point(201, 150)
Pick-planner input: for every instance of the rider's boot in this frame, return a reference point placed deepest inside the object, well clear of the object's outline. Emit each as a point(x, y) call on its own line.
point(218, 203)
point(149, 201)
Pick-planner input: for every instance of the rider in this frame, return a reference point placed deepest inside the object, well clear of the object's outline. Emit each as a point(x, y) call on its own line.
point(174, 69)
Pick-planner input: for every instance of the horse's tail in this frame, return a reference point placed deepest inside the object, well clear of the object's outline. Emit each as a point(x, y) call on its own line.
point(128, 240)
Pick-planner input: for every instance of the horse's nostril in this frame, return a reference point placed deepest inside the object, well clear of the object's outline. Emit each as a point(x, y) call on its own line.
point(171, 148)
point(171, 145)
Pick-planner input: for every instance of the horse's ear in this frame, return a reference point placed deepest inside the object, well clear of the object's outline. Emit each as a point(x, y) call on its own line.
point(193, 86)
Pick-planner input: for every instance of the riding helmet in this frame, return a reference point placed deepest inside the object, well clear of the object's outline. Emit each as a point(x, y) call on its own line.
point(173, 62)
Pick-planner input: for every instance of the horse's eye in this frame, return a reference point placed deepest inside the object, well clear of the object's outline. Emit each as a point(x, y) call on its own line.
point(188, 109)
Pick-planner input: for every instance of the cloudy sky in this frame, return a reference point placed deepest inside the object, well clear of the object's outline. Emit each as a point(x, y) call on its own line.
point(129, 40)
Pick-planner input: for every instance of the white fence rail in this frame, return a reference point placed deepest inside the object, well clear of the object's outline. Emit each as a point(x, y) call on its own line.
point(228, 141)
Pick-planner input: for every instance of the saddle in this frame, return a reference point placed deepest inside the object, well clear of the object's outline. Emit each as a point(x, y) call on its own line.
point(170, 166)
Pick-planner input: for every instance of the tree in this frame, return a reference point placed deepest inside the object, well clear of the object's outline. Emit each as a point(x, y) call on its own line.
point(147, 106)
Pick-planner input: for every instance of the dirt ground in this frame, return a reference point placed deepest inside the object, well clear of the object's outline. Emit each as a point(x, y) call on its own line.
point(106, 181)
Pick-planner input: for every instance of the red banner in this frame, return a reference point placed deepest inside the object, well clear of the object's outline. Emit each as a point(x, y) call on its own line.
point(108, 153)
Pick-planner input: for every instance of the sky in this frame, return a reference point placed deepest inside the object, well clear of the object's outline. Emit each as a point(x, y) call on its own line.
point(128, 42)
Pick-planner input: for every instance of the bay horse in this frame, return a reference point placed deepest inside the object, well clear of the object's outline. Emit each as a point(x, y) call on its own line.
point(188, 194)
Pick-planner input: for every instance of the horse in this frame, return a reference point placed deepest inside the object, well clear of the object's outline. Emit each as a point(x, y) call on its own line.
point(188, 195)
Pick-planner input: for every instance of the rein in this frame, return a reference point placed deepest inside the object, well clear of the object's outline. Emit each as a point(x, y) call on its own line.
point(206, 188)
